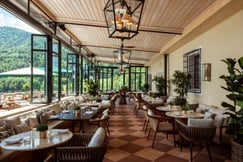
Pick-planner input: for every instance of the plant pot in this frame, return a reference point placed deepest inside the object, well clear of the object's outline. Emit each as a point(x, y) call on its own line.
point(77, 112)
point(42, 134)
point(236, 151)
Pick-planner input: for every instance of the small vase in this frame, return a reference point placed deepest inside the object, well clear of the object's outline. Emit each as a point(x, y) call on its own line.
point(43, 134)
point(77, 113)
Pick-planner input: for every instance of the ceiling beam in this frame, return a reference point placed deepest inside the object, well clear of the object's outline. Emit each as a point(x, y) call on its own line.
point(131, 58)
point(101, 24)
point(116, 47)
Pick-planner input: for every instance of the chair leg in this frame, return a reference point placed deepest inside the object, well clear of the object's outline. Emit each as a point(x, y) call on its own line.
point(108, 130)
point(181, 143)
point(134, 109)
point(191, 147)
point(148, 134)
point(146, 127)
point(174, 138)
point(144, 123)
point(155, 133)
point(209, 154)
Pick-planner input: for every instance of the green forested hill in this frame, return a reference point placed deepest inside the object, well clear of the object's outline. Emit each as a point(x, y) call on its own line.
point(14, 48)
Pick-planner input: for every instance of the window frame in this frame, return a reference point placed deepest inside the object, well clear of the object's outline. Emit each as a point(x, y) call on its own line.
point(192, 66)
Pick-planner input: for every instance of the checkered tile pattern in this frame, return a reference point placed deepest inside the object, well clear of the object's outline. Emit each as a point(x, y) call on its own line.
point(128, 142)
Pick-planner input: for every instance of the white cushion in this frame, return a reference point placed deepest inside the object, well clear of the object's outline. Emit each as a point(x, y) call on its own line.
point(201, 123)
point(150, 112)
point(98, 138)
point(209, 115)
point(218, 120)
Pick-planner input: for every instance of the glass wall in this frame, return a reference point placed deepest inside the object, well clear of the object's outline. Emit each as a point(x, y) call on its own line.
point(39, 52)
point(56, 56)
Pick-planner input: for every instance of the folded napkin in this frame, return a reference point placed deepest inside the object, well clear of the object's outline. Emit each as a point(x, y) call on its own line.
point(53, 117)
point(12, 140)
point(88, 112)
point(61, 131)
point(177, 113)
point(65, 111)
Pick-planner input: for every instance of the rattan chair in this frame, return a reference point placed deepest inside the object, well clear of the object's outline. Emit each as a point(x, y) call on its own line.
point(103, 122)
point(159, 124)
point(194, 134)
point(77, 150)
point(138, 105)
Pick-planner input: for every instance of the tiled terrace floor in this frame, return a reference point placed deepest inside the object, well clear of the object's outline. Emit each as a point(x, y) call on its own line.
point(128, 142)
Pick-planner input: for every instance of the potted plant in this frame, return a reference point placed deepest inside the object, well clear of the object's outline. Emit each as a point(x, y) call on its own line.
point(161, 85)
point(182, 83)
point(91, 87)
point(42, 128)
point(77, 110)
point(146, 88)
point(26, 87)
point(234, 87)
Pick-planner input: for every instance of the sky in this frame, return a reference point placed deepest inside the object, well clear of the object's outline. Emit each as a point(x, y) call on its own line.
point(7, 19)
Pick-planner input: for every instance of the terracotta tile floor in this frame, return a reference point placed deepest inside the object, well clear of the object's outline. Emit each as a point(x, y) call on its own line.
point(128, 142)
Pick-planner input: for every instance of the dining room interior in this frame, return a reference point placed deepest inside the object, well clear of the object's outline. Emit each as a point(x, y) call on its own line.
point(121, 80)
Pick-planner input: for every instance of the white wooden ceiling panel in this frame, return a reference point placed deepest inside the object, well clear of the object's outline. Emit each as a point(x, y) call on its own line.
point(84, 21)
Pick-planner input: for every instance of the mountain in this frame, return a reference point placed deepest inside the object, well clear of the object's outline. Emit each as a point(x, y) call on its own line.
point(14, 48)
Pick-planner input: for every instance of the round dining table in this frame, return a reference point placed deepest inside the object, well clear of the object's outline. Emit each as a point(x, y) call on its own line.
point(30, 141)
point(184, 115)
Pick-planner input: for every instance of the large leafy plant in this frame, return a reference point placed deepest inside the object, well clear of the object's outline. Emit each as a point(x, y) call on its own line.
point(91, 87)
point(182, 83)
point(234, 85)
point(160, 83)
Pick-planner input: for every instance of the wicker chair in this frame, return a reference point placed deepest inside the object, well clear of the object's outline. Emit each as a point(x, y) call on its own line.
point(103, 122)
point(138, 105)
point(159, 124)
point(194, 134)
point(77, 150)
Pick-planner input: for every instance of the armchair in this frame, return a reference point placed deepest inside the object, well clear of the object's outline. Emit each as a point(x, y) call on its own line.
point(196, 134)
point(80, 149)
point(160, 124)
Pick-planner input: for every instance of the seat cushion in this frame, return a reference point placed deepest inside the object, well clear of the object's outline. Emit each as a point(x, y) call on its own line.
point(98, 138)
point(201, 123)
point(165, 126)
point(209, 115)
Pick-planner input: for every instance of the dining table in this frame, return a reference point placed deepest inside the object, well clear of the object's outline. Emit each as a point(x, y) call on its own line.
point(83, 117)
point(39, 147)
point(182, 116)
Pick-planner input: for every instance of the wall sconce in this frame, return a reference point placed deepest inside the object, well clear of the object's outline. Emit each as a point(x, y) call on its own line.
point(207, 72)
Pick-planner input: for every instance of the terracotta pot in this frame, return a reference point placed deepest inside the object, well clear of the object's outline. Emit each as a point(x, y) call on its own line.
point(43, 134)
point(236, 151)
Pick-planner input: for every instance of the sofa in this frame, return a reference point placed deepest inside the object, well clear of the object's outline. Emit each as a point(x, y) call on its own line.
point(220, 121)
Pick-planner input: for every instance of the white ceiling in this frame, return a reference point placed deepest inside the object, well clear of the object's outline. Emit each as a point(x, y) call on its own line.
point(85, 24)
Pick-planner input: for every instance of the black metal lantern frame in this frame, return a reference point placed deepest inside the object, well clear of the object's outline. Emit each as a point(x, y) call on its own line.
point(123, 17)
point(122, 57)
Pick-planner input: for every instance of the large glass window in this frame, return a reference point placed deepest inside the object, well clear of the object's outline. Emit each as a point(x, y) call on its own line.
point(138, 78)
point(56, 53)
point(39, 68)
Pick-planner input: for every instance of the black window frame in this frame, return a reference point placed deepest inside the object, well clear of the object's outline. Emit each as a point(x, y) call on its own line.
point(192, 66)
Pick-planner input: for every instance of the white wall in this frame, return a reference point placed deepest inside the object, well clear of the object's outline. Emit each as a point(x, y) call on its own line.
point(222, 41)
point(157, 67)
